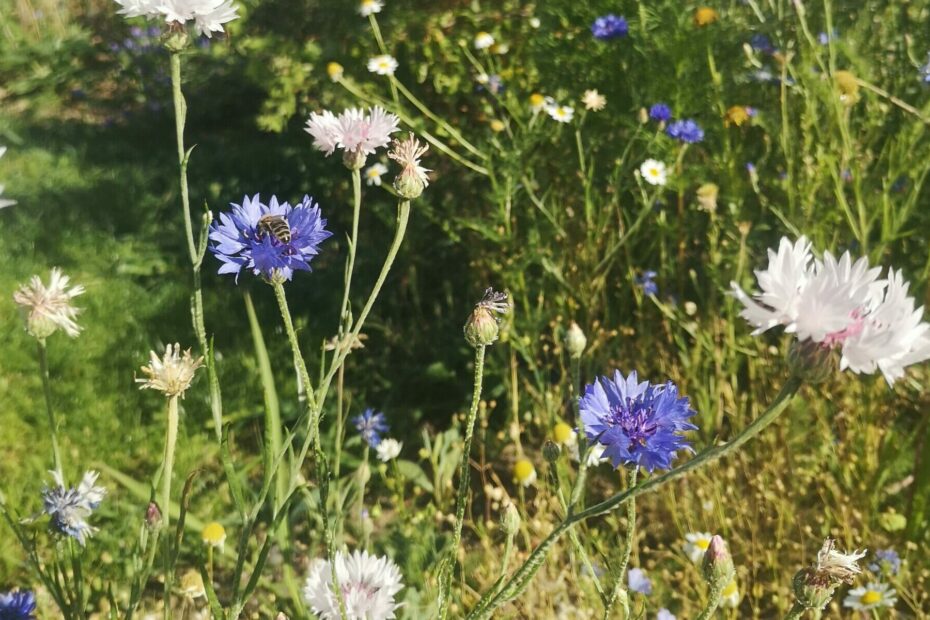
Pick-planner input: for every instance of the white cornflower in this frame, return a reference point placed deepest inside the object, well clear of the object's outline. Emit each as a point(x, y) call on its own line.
point(368, 583)
point(594, 100)
point(48, 308)
point(483, 41)
point(370, 7)
point(171, 374)
point(384, 64)
point(836, 566)
point(870, 597)
point(839, 304)
point(356, 132)
point(208, 16)
point(373, 174)
point(560, 113)
point(69, 508)
point(696, 543)
point(653, 172)
point(412, 179)
point(4, 202)
point(388, 449)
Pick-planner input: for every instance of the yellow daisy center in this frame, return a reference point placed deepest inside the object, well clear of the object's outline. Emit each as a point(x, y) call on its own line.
point(523, 470)
point(562, 432)
point(871, 597)
point(537, 100)
point(703, 543)
point(214, 533)
point(730, 590)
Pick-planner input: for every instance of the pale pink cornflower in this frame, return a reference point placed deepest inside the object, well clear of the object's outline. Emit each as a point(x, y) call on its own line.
point(48, 308)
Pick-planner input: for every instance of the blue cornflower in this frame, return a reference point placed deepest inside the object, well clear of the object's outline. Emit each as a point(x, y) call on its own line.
point(285, 241)
point(371, 425)
point(637, 423)
point(660, 112)
point(886, 560)
point(761, 43)
point(70, 507)
point(665, 614)
point(645, 282)
point(17, 605)
point(685, 130)
point(609, 26)
point(637, 581)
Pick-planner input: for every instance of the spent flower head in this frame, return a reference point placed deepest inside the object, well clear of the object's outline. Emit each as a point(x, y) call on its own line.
point(639, 423)
point(483, 325)
point(412, 179)
point(69, 507)
point(815, 585)
point(17, 605)
point(593, 100)
point(272, 240)
point(48, 308)
point(369, 586)
point(172, 373)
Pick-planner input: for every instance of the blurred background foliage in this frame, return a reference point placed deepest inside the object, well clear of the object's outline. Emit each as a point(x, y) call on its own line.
point(86, 113)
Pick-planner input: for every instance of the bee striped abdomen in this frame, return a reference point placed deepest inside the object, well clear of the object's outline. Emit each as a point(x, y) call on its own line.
point(276, 226)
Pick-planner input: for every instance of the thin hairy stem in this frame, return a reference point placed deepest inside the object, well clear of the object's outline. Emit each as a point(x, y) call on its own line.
point(47, 389)
point(617, 585)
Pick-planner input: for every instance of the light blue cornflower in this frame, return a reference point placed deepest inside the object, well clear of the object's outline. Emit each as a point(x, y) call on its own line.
point(637, 581)
point(371, 425)
point(69, 507)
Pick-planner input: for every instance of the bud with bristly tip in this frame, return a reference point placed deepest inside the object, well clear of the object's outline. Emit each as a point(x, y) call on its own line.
point(814, 586)
point(510, 519)
point(551, 451)
point(412, 179)
point(483, 326)
point(575, 341)
point(811, 590)
point(153, 516)
point(718, 563)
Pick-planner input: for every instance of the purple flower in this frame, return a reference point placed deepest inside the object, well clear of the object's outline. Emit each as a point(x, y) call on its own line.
point(685, 130)
point(637, 581)
point(69, 507)
point(665, 614)
point(268, 239)
point(660, 112)
point(645, 282)
point(17, 605)
point(371, 425)
point(609, 26)
point(761, 43)
point(637, 423)
point(886, 560)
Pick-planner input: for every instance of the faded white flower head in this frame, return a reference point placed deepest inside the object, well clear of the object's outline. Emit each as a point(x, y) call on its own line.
point(389, 449)
point(560, 113)
point(4, 202)
point(653, 172)
point(837, 566)
point(373, 174)
point(696, 544)
point(172, 373)
point(412, 179)
point(48, 308)
point(207, 16)
point(370, 7)
point(357, 132)
point(839, 304)
point(483, 41)
point(385, 64)
point(594, 100)
point(69, 507)
point(369, 584)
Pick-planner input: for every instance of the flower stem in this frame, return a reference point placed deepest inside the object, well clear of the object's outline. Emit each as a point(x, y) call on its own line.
point(522, 577)
point(797, 610)
point(716, 592)
point(345, 324)
point(47, 389)
point(171, 440)
point(627, 548)
point(461, 500)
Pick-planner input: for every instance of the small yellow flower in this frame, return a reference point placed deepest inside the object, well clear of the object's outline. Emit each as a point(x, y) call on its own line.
point(563, 433)
point(334, 70)
point(497, 126)
point(537, 102)
point(736, 115)
point(847, 86)
point(707, 197)
point(524, 472)
point(730, 595)
point(704, 16)
point(214, 534)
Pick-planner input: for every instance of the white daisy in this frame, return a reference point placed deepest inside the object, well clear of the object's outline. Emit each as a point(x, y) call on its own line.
point(48, 308)
point(653, 172)
point(696, 543)
point(4, 202)
point(561, 113)
point(384, 64)
point(373, 174)
point(483, 41)
point(594, 100)
point(730, 596)
point(369, 584)
point(871, 596)
point(370, 7)
point(388, 449)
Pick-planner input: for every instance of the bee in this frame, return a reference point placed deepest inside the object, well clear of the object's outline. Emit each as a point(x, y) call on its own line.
point(276, 226)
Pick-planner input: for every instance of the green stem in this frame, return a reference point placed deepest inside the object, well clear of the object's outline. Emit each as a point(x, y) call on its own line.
point(364, 472)
point(627, 549)
point(522, 577)
point(716, 593)
point(171, 440)
point(461, 500)
point(353, 243)
point(797, 610)
point(47, 389)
